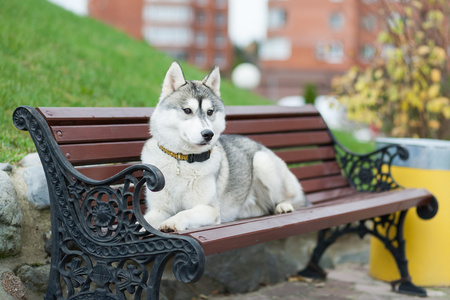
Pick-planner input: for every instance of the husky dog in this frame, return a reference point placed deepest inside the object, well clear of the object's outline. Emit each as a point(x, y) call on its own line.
point(210, 178)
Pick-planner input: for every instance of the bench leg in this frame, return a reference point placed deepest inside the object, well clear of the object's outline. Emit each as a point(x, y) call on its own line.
point(391, 236)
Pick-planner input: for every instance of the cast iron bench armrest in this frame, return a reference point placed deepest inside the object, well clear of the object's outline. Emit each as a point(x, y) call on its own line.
point(370, 172)
point(103, 218)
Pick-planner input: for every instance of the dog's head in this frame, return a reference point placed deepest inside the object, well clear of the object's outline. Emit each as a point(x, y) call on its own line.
point(190, 115)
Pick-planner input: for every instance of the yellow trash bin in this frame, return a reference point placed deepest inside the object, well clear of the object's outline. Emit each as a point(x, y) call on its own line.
point(427, 241)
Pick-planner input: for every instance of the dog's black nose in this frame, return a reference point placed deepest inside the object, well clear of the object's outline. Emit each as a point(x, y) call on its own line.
point(207, 135)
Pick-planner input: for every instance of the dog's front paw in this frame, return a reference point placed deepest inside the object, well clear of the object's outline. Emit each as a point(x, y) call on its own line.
point(283, 208)
point(172, 225)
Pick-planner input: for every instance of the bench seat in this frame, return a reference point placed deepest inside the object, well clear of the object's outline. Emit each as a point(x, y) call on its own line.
point(351, 208)
point(104, 249)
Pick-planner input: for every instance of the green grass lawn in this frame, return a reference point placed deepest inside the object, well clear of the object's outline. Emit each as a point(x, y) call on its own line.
point(51, 57)
point(347, 140)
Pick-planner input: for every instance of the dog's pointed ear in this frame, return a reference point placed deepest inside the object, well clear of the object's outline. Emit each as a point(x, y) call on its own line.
point(212, 80)
point(174, 79)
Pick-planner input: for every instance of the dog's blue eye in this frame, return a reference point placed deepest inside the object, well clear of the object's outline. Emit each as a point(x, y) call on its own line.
point(210, 112)
point(187, 111)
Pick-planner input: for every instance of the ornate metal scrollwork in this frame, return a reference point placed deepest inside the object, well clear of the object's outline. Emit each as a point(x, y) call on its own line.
point(370, 172)
point(99, 248)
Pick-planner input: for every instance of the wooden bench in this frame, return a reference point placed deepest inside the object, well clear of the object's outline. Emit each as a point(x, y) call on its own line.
point(91, 161)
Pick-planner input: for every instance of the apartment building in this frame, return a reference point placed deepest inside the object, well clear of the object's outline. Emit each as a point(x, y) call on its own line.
point(312, 41)
point(191, 30)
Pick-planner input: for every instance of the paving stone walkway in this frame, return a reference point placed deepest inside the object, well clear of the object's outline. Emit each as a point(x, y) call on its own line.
point(347, 281)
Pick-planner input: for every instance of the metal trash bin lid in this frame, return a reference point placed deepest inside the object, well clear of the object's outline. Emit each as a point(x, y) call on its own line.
point(423, 153)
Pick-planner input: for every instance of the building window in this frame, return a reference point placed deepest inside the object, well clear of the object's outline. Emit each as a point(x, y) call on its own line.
point(367, 52)
point(276, 18)
point(369, 22)
point(168, 36)
point(219, 19)
point(278, 48)
point(200, 59)
point(164, 13)
point(201, 39)
point(202, 2)
point(200, 17)
point(221, 3)
point(336, 21)
point(173, 1)
point(220, 59)
point(330, 52)
point(220, 40)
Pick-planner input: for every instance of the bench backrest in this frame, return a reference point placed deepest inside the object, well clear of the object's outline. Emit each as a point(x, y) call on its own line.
point(102, 141)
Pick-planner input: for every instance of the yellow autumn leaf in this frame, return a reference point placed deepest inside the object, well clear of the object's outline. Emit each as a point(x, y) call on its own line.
point(435, 75)
point(378, 74)
point(408, 12)
point(398, 74)
point(439, 53)
point(423, 50)
point(433, 124)
point(446, 112)
point(417, 4)
point(433, 91)
point(384, 37)
point(436, 105)
point(404, 106)
point(423, 95)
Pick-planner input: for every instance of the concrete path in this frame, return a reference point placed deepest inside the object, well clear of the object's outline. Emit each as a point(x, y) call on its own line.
point(347, 281)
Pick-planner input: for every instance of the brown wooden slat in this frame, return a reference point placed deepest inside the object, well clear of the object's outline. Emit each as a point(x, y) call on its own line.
point(225, 237)
point(318, 170)
point(117, 115)
point(323, 183)
point(97, 115)
point(99, 153)
point(281, 140)
point(258, 112)
point(100, 133)
point(101, 172)
point(275, 125)
point(305, 155)
point(330, 195)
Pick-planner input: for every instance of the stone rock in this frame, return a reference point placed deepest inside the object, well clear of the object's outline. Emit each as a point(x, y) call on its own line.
point(10, 217)
point(37, 193)
point(243, 270)
point(30, 160)
point(11, 287)
point(6, 167)
point(35, 277)
point(47, 237)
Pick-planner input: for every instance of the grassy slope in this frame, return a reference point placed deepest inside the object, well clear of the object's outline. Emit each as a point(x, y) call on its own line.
point(347, 139)
point(50, 57)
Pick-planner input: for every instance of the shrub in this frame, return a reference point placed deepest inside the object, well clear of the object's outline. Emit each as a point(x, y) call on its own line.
point(405, 90)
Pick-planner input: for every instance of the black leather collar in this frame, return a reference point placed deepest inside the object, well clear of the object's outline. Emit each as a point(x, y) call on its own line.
point(190, 158)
